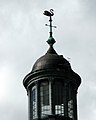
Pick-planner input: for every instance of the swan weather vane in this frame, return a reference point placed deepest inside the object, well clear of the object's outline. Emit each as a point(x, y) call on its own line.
point(50, 13)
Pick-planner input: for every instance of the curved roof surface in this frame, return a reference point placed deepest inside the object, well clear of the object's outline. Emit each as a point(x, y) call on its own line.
point(51, 60)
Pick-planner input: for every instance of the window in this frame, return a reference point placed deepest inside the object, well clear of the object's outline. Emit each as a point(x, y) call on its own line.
point(34, 102)
point(70, 101)
point(59, 109)
point(44, 99)
point(58, 98)
point(70, 108)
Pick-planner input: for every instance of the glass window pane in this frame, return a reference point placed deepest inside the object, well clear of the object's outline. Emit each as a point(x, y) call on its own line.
point(58, 98)
point(44, 93)
point(70, 101)
point(44, 98)
point(34, 102)
point(70, 108)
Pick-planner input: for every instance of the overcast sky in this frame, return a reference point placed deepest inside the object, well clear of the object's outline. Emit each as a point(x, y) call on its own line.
point(23, 37)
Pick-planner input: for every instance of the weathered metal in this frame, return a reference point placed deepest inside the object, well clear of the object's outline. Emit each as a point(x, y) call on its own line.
point(52, 87)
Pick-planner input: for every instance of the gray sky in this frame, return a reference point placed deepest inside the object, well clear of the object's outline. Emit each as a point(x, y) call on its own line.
point(23, 39)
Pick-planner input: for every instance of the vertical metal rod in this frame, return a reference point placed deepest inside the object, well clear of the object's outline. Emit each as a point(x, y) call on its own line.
point(50, 26)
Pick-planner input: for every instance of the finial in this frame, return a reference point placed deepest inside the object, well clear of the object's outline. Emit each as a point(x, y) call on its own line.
point(50, 13)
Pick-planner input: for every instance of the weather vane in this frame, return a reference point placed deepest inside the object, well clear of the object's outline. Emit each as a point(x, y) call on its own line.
point(50, 13)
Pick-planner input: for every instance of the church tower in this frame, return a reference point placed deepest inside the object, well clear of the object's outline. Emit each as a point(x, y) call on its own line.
point(52, 85)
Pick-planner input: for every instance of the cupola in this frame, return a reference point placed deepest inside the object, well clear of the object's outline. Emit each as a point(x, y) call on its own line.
point(52, 85)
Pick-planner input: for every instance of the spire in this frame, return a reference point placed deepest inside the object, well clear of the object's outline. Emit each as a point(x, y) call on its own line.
point(51, 40)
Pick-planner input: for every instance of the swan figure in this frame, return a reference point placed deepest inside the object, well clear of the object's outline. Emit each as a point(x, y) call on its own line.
point(47, 13)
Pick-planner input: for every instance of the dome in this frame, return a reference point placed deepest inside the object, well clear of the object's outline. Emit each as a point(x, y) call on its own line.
point(51, 60)
point(51, 64)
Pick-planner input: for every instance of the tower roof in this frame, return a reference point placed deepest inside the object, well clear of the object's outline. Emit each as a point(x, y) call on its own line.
point(51, 60)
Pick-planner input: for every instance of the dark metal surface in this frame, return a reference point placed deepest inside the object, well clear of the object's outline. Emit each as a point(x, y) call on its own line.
point(50, 13)
point(51, 61)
